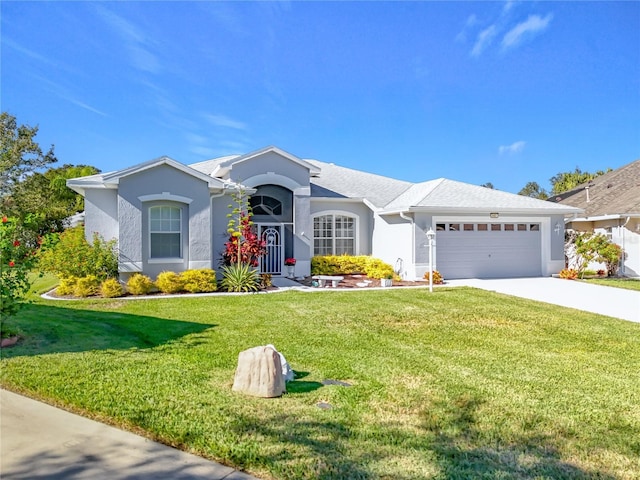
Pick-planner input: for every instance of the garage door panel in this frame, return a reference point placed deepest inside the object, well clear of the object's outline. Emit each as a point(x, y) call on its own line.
point(488, 254)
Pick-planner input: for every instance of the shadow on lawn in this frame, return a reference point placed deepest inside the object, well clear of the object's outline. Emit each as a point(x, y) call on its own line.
point(464, 452)
point(51, 329)
point(450, 445)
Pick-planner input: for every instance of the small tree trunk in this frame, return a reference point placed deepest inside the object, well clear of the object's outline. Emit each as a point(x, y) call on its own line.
point(259, 373)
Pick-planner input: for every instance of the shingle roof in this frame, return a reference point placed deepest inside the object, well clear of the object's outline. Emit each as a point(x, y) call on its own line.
point(445, 193)
point(336, 181)
point(614, 193)
point(392, 195)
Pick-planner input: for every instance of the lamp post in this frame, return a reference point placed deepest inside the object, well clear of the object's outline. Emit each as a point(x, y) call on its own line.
point(431, 235)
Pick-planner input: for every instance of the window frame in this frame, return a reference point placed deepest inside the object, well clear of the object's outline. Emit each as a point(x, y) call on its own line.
point(334, 238)
point(150, 233)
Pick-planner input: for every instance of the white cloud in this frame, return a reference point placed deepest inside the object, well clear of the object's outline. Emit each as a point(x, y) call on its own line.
point(471, 21)
point(485, 37)
point(508, 5)
point(135, 40)
point(532, 25)
point(224, 121)
point(515, 147)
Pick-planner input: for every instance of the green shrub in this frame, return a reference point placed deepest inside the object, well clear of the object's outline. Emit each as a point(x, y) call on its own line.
point(351, 265)
point(86, 286)
point(437, 278)
point(68, 254)
point(111, 288)
point(240, 278)
point(139, 284)
point(66, 286)
point(169, 282)
point(202, 280)
point(376, 268)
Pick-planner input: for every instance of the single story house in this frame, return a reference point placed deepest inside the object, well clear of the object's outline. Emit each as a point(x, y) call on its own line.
point(169, 216)
point(611, 205)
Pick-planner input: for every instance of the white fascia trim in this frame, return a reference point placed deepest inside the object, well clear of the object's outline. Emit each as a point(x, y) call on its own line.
point(165, 196)
point(272, 178)
point(114, 177)
point(475, 211)
point(313, 170)
point(599, 218)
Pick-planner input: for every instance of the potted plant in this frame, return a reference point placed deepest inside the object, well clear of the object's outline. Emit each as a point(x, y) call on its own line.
point(387, 281)
point(290, 263)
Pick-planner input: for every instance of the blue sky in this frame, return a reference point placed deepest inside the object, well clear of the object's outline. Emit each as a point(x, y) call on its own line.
point(501, 92)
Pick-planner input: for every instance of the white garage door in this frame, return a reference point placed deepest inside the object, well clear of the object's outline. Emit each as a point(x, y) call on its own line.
point(488, 250)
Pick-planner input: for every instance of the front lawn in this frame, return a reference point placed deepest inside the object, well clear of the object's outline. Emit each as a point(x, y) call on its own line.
point(628, 283)
point(457, 384)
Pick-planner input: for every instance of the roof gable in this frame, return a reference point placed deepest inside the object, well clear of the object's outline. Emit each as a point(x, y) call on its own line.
point(614, 193)
point(220, 167)
point(112, 179)
point(445, 194)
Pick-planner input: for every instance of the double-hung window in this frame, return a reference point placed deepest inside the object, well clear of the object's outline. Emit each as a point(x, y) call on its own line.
point(165, 232)
point(334, 234)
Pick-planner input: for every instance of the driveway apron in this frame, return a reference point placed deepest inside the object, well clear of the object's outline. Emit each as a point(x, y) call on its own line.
point(613, 302)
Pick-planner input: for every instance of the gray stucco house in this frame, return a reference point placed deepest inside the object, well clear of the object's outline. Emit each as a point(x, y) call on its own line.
point(169, 216)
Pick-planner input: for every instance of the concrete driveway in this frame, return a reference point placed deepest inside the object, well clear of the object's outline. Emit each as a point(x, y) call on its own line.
point(610, 301)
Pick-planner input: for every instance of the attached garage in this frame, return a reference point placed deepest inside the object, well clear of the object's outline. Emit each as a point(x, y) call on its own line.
point(488, 250)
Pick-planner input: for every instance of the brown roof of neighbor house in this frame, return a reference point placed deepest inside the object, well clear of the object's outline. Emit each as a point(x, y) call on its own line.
point(614, 193)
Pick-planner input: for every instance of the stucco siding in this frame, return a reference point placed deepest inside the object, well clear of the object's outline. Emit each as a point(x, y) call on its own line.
point(270, 162)
point(393, 243)
point(164, 185)
point(359, 210)
point(101, 214)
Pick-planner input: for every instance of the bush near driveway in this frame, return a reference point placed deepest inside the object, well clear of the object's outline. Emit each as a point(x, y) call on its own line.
point(460, 383)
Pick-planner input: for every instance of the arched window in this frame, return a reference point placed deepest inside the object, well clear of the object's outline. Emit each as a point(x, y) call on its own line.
point(265, 205)
point(165, 232)
point(334, 234)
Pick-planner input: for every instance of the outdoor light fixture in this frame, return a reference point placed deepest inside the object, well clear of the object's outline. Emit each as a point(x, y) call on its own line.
point(494, 215)
point(557, 228)
point(431, 236)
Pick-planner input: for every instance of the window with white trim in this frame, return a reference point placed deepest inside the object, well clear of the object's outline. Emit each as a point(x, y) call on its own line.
point(165, 232)
point(334, 234)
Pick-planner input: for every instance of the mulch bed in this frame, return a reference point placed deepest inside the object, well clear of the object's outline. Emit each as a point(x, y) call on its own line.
point(357, 281)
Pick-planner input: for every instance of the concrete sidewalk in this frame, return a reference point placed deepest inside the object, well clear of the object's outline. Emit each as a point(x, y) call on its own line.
point(38, 441)
point(610, 301)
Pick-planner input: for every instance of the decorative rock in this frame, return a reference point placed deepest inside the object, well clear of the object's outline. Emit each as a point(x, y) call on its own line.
point(286, 369)
point(259, 373)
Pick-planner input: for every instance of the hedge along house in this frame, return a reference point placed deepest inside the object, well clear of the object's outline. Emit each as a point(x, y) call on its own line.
point(170, 216)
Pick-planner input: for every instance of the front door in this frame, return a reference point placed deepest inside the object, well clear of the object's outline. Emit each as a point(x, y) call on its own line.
point(272, 261)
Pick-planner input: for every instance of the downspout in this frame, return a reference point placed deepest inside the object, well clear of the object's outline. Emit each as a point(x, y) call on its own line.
point(404, 216)
point(622, 229)
point(225, 187)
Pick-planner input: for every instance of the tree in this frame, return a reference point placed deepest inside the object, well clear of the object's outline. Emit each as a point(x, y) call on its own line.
point(565, 181)
point(47, 197)
point(533, 190)
point(20, 154)
point(16, 261)
point(589, 247)
point(488, 185)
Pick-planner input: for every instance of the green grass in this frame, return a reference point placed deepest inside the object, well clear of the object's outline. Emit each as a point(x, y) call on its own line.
point(457, 384)
point(628, 283)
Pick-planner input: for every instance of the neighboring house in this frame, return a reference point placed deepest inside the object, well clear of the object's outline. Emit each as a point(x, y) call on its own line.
point(169, 216)
point(611, 204)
